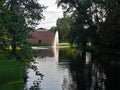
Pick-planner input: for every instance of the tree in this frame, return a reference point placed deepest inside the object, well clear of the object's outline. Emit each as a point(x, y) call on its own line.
point(101, 18)
point(110, 29)
point(63, 26)
point(19, 17)
point(85, 21)
point(53, 29)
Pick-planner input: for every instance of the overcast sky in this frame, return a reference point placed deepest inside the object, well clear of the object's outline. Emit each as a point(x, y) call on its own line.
point(52, 13)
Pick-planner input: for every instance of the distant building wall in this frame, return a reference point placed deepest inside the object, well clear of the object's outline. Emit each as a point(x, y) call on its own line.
point(41, 37)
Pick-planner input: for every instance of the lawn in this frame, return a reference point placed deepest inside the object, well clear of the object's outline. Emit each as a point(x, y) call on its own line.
point(64, 44)
point(11, 74)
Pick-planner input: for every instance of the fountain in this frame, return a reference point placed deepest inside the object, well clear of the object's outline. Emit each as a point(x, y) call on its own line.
point(56, 40)
point(55, 46)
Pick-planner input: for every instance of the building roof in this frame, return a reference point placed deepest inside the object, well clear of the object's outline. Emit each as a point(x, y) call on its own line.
point(41, 29)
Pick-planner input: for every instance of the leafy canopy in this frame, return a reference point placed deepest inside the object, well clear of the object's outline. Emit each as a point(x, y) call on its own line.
point(17, 19)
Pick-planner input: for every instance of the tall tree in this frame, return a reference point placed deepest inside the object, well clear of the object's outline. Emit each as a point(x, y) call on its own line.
point(84, 26)
point(101, 18)
point(110, 30)
point(19, 17)
point(63, 26)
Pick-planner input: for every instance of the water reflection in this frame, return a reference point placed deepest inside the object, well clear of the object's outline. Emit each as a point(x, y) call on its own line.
point(54, 73)
point(98, 76)
point(69, 69)
point(88, 57)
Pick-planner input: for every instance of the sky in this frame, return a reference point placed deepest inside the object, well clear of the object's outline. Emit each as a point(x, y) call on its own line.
point(52, 13)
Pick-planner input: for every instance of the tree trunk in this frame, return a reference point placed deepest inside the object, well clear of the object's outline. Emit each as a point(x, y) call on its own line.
point(13, 48)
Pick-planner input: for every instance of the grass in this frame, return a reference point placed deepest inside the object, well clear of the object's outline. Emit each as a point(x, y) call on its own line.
point(47, 44)
point(64, 44)
point(11, 74)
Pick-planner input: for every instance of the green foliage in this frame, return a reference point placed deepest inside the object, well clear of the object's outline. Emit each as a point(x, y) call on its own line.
point(69, 53)
point(17, 19)
point(31, 10)
point(53, 29)
point(95, 21)
point(63, 26)
point(110, 29)
point(64, 44)
point(84, 27)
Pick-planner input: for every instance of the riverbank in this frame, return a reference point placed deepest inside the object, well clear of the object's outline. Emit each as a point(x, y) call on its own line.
point(47, 44)
point(11, 74)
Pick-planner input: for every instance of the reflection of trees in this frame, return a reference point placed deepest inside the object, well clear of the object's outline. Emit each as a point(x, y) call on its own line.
point(105, 73)
point(36, 83)
point(113, 77)
point(68, 83)
point(95, 75)
point(84, 76)
point(98, 76)
point(88, 77)
point(77, 68)
point(110, 63)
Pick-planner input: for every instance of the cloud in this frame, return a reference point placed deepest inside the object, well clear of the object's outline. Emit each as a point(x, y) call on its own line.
point(52, 13)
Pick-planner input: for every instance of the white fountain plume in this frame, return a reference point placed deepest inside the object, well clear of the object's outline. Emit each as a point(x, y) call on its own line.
point(56, 54)
point(56, 40)
point(55, 46)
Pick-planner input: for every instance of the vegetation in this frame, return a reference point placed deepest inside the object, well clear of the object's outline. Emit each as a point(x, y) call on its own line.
point(17, 19)
point(93, 22)
point(110, 29)
point(68, 53)
point(86, 24)
point(64, 44)
point(11, 74)
point(63, 26)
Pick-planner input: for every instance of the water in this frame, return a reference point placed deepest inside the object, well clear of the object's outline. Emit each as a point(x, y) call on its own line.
point(56, 73)
point(66, 69)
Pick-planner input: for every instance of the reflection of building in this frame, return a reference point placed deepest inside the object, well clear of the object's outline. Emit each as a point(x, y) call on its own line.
point(41, 36)
point(44, 52)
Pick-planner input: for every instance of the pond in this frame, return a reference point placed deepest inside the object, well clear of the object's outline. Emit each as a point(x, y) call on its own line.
point(67, 69)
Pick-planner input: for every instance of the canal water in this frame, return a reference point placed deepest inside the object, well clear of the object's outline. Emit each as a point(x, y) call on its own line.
point(67, 69)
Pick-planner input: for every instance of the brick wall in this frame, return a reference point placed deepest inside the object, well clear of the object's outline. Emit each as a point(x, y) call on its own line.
point(41, 37)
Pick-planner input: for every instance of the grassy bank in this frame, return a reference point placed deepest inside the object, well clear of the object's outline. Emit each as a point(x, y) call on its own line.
point(47, 44)
point(64, 44)
point(11, 74)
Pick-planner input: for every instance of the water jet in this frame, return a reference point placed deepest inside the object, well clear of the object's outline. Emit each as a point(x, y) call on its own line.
point(56, 40)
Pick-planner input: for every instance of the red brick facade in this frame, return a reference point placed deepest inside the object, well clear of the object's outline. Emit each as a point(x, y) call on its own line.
point(41, 37)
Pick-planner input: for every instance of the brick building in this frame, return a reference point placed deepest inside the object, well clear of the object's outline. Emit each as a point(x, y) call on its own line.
point(41, 36)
